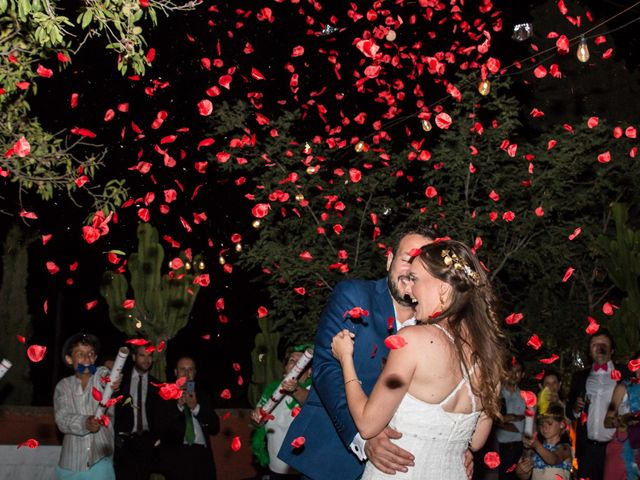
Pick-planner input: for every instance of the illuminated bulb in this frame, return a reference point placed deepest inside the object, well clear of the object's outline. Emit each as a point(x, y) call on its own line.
point(391, 36)
point(171, 265)
point(307, 148)
point(299, 197)
point(255, 224)
point(187, 266)
point(361, 147)
point(201, 265)
point(238, 247)
point(484, 87)
point(311, 170)
point(426, 125)
point(583, 51)
point(221, 260)
point(138, 324)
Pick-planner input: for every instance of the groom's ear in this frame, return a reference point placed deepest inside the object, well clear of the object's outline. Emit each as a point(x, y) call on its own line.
point(389, 260)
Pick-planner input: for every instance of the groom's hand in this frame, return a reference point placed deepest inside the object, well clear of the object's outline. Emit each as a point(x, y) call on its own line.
point(386, 456)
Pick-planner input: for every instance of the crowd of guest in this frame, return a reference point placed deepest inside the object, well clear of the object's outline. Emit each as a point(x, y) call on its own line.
point(602, 410)
point(141, 433)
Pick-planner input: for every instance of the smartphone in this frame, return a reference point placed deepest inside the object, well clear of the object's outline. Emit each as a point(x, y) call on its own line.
point(191, 387)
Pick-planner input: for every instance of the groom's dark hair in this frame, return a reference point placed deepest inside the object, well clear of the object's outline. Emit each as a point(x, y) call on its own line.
point(422, 230)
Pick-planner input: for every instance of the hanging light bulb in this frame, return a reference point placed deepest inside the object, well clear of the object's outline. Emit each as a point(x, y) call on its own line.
point(187, 266)
point(522, 32)
point(484, 87)
point(361, 147)
point(583, 51)
point(221, 260)
point(238, 247)
point(201, 265)
point(256, 224)
point(426, 125)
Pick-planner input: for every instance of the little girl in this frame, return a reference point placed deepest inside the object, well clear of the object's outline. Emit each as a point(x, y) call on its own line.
point(551, 459)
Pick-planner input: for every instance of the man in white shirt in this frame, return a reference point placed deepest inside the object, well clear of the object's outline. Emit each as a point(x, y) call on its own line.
point(589, 398)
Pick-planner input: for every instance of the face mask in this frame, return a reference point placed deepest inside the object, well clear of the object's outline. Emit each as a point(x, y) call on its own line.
point(86, 368)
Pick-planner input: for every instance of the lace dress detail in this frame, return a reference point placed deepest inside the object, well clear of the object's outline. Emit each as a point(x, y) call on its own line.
point(437, 439)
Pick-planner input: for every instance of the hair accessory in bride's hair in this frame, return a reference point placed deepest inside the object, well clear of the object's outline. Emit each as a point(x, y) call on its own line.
point(452, 260)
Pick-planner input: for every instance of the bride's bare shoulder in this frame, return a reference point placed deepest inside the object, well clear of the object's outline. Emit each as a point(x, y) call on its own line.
point(423, 334)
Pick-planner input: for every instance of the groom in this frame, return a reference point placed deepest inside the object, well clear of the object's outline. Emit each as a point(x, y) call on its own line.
point(333, 448)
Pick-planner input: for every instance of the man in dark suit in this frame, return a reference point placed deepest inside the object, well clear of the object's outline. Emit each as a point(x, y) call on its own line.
point(333, 448)
point(589, 397)
point(185, 427)
point(135, 421)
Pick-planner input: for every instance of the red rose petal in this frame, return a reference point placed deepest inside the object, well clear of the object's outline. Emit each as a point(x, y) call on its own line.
point(36, 353)
point(394, 342)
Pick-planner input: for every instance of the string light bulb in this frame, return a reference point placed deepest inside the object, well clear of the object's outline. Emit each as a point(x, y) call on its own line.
point(426, 125)
point(361, 147)
point(187, 266)
point(484, 87)
point(221, 260)
point(256, 223)
point(583, 51)
point(299, 197)
point(201, 265)
point(238, 247)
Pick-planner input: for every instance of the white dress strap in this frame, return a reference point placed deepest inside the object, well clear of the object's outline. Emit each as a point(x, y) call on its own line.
point(444, 330)
point(465, 378)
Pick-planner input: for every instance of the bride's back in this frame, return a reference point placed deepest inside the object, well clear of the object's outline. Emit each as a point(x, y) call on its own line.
point(439, 376)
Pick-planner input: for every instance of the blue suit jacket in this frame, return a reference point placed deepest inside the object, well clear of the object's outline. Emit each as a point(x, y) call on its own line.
point(325, 421)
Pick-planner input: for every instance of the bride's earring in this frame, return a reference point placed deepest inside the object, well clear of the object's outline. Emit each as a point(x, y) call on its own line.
point(441, 309)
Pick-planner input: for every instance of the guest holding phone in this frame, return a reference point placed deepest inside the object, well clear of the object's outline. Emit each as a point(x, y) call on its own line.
point(185, 427)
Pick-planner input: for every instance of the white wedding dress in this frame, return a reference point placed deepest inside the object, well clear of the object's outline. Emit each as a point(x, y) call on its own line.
point(437, 439)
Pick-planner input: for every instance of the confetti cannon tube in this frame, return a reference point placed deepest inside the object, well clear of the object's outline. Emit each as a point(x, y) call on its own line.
point(295, 372)
point(5, 365)
point(116, 371)
point(528, 422)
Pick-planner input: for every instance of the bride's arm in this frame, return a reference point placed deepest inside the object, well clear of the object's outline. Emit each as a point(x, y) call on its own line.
point(483, 429)
point(371, 415)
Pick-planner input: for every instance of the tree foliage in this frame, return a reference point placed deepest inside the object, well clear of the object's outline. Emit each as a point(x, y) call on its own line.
point(37, 38)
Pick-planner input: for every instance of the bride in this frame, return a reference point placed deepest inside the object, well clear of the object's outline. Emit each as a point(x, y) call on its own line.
point(440, 386)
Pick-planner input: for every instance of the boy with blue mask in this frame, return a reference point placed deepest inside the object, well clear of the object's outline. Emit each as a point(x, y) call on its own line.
point(87, 447)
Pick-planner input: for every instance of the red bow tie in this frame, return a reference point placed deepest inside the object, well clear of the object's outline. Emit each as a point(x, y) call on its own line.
point(600, 366)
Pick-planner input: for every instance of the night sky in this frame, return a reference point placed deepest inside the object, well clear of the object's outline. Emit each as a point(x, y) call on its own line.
point(222, 31)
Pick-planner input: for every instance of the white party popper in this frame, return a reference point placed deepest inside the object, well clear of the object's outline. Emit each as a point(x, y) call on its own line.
point(529, 418)
point(295, 372)
point(5, 365)
point(118, 364)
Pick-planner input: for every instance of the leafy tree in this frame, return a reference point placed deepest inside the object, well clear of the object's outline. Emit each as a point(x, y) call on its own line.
point(32, 34)
point(481, 180)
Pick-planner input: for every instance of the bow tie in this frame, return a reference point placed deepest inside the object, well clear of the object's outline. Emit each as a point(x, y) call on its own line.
point(600, 366)
point(84, 368)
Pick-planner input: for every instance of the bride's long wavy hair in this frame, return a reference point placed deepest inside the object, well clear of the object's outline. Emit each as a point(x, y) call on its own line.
point(472, 316)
